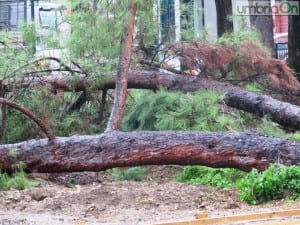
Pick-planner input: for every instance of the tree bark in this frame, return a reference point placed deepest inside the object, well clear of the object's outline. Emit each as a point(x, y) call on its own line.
point(118, 109)
point(294, 43)
point(224, 11)
point(120, 149)
point(283, 113)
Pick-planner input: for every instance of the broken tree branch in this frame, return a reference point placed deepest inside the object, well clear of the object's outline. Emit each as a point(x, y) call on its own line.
point(44, 127)
point(283, 113)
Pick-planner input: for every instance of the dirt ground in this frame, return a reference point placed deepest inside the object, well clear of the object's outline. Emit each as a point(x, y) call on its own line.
point(94, 199)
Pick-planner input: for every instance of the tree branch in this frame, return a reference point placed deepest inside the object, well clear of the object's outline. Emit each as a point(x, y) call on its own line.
point(32, 116)
point(283, 113)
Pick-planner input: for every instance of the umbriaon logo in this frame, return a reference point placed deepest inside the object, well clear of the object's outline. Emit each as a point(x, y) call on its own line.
point(251, 7)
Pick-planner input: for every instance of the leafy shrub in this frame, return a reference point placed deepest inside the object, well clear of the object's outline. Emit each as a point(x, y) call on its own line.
point(257, 187)
point(134, 174)
point(221, 178)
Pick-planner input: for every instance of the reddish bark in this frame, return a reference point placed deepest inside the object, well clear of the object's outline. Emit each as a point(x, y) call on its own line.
point(118, 109)
point(32, 116)
point(119, 149)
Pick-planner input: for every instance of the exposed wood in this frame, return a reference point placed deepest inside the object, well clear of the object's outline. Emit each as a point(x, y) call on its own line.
point(245, 151)
point(239, 218)
point(115, 119)
point(44, 127)
point(283, 113)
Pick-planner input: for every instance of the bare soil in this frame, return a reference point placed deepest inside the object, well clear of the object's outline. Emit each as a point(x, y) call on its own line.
point(92, 198)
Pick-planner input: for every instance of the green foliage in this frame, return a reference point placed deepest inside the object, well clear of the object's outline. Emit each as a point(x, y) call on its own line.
point(134, 174)
point(29, 35)
point(49, 108)
point(187, 21)
point(240, 36)
point(257, 187)
point(97, 29)
point(11, 57)
point(221, 178)
point(17, 181)
point(96, 33)
point(295, 136)
point(147, 28)
point(270, 128)
point(254, 88)
point(177, 111)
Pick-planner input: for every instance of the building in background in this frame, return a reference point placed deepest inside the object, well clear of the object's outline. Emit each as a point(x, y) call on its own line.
point(281, 24)
point(49, 18)
point(178, 18)
point(15, 12)
point(198, 19)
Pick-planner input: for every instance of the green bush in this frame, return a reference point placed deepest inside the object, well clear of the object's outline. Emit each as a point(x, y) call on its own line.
point(221, 178)
point(134, 174)
point(257, 187)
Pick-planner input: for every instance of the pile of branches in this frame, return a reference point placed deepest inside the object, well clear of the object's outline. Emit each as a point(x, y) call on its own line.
point(240, 64)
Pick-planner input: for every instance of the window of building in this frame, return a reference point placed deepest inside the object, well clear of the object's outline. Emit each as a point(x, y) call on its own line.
point(181, 19)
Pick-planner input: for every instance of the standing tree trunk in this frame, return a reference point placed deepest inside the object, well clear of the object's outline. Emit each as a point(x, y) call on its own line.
point(264, 24)
point(116, 115)
point(224, 11)
point(294, 43)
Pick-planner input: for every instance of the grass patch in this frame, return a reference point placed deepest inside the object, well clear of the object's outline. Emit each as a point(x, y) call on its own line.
point(18, 180)
point(133, 174)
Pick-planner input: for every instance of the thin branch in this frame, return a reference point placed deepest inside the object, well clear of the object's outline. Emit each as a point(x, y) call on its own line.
point(63, 65)
point(44, 127)
point(53, 70)
point(160, 65)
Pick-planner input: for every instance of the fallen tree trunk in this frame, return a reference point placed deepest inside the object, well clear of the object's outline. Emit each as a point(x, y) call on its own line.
point(119, 149)
point(283, 113)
